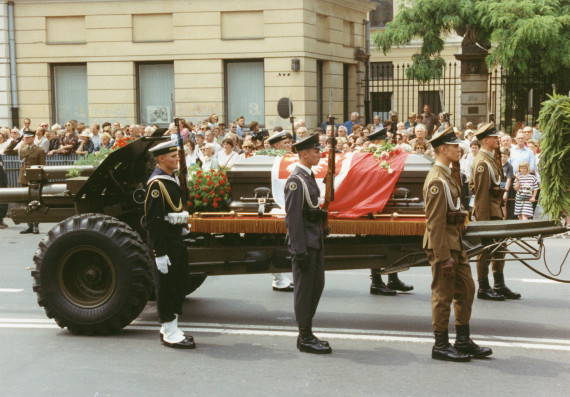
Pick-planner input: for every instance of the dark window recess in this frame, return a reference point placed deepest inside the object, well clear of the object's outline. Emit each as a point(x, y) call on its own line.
point(430, 98)
point(381, 70)
point(383, 13)
point(381, 104)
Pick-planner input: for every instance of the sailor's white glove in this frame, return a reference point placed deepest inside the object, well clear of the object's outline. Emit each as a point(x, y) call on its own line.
point(162, 263)
point(177, 218)
point(185, 231)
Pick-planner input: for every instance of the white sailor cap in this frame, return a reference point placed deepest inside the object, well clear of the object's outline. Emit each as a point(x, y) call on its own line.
point(163, 148)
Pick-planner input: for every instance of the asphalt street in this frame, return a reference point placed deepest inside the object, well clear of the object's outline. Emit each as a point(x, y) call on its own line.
point(246, 336)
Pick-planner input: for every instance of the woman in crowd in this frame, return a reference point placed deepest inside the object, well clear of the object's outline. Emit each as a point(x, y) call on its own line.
point(191, 153)
point(466, 163)
point(213, 121)
point(227, 157)
point(209, 160)
point(54, 142)
point(86, 146)
point(41, 140)
point(184, 128)
point(247, 149)
point(106, 141)
point(535, 147)
point(4, 137)
point(507, 180)
point(70, 140)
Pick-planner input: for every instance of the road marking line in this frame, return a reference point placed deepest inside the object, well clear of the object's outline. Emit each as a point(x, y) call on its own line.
point(11, 290)
point(540, 280)
point(333, 333)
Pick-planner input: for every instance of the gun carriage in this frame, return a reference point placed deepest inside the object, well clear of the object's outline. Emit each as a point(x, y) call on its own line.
point(93, 270)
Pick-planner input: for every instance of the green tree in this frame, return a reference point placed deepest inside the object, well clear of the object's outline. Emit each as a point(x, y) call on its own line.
point(520, 35)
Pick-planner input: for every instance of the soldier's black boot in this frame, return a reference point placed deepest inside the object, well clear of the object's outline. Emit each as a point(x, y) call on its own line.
point(379, 288)
point(396, 284)
point(442, 349)
point(29, 230)
point(36, 228)
point(308, 343)
point(502, 289)
point(486, 292)
point(464, 343)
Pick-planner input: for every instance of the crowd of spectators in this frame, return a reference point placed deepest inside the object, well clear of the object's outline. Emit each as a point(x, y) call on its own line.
point(212, 144)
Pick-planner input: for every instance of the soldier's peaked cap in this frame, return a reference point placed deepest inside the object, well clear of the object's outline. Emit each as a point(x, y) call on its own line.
point(380, 134)
point(163, 148)
point(486, 130)
point(308, 143)
point(281, 136)
point(445, 137)
point(29, 133)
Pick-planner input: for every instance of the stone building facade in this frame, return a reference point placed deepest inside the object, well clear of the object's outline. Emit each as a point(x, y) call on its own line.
point(148, 60)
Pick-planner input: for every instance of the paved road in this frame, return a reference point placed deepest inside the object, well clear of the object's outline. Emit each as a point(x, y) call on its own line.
point(246, 340)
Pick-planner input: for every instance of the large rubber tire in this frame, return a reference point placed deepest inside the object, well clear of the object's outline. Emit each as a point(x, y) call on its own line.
point(93, 274)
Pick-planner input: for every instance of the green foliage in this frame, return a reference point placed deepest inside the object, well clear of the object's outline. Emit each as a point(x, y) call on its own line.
point(554, 163)
point(94, 159)
point(525, 34)
point(271, 152)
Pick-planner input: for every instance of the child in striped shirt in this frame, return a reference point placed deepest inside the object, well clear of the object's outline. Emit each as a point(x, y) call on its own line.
point(526, 186)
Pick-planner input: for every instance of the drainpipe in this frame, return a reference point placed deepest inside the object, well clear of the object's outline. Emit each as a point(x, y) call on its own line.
point(367, 107)
point(13, 81)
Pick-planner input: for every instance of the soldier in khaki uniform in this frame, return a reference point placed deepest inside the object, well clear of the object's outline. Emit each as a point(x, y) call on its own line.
point(30, 154)
point(452, 281)
point(485, 183)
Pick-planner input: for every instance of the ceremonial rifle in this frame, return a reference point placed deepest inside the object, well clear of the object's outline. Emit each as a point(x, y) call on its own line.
point(182, 168)
point(329, 179)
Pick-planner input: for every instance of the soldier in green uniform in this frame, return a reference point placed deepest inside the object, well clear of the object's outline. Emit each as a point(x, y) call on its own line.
point(166, 223)
point(485, 183)
point(30, 154)
point(452, 281)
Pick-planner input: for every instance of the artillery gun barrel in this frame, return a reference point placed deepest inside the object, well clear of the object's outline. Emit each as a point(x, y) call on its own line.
point(51, 172)
point(49, 194)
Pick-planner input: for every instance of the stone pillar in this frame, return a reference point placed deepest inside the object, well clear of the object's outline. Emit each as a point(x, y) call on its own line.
point(5, 96)
point(474, 81)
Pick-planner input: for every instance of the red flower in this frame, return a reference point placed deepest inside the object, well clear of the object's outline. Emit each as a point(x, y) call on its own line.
point(222, 192)
point(205, 201)
point(205, 188)
point(196, 187)
point(397, 151)
point(215, 204)
point(229, 189)
point(189, 203)
point(217, 185)
point(198, 180)
point(197, 196)
point(212, 193)
point(222, 182)
point(210, 183)
point(199, 172)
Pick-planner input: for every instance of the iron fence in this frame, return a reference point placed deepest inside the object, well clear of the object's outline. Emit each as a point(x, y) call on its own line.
point(12, 165)
point(391, 90)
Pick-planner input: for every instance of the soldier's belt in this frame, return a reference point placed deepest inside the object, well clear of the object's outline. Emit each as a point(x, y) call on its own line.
point(456, 217)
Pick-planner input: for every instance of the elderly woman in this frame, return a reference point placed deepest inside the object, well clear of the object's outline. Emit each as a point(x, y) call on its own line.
point(4, 137)
point(535, 147)
point(106, 141)
point(247, 147)
point(86, 146)
point(209, 160)
point(54, 142)
point(227, 157)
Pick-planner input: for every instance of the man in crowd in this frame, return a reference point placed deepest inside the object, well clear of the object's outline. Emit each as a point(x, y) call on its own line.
point(166, 223)
point(506, 141)
point(352, 122)
point(305, 236)
point(26, 126)
point(30, 154)
point(240, 126)
point(485, 184)
point(521, 152)
point(377, 124)
point(211, 138)
point(430, 121)
point(95, 137)
point(452, 281)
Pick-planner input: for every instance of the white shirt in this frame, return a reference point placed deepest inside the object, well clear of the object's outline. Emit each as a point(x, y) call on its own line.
point(226, 160)
point(43, 143)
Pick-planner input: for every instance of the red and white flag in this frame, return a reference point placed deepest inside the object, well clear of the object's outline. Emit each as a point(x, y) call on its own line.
point(361, 184)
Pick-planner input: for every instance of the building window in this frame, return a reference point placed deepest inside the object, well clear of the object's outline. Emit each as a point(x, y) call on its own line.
point(381, 104)
point(70, 93)
point(383, 14)
point(155, 90)
point(323, 28)
point(245, 95)
point(381, 70)
point(320, 109)
point(431, 98)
